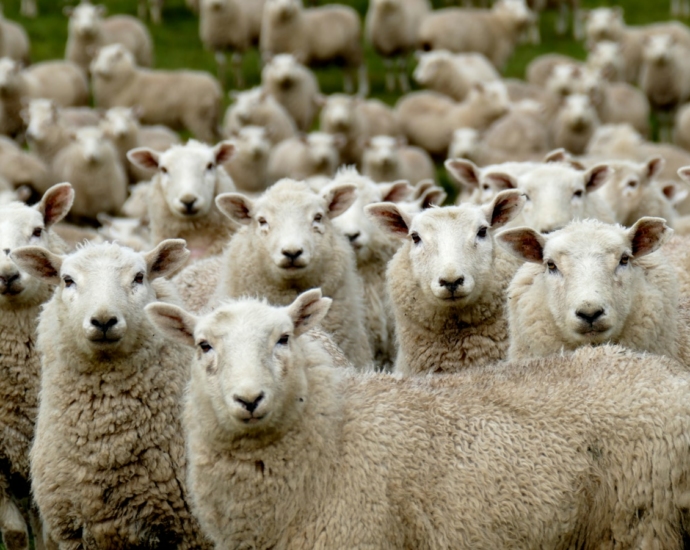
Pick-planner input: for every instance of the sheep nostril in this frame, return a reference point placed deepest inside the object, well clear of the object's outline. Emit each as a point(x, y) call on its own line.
point(353, 236)
point(590, 316)
point(104, 326)
point(249, 404)
point(292, 254)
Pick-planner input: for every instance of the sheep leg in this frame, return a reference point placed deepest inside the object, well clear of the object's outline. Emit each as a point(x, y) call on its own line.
point(675, 10)
point(156, 12)
point(15, 534)
point(141, 9)
point(236, 62)
point(362, 80)
point(390, 75)
point(562, 21)
point(221, 64)
point(402, 74)
point(29, 8)
point(578, 21)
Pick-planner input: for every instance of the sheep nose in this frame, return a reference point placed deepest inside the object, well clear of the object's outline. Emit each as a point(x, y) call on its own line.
point(104, 325)
point(189, 205)
point(353, 236)
point(6, 251)
point(292, 255)
point(590, 316)
point(452, 285)
point(249, 404)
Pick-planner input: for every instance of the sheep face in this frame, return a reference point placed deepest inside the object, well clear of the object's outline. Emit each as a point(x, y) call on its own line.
point(604, 24)
point(291, 224)
point(283, 71)
point(381, 155)
point(253, 143)
point(218, 6)
point(323, 152)
point(21, 225)
point(450, 250)
point(607, 58)
point(516, 11)
point(111, 61)
point(564, 80)
point(248, 373)
point(246, 103)
point(658, 49)
point(188, 174)
point(41, 115)
point(591, 273)
point(9, 76)
point(338, 115)
point(493, 96)
point(578, 114)
point(94, 147)
point(85, 20)
point(283, 10)
point(431, 64)
point(464, 144)
point(120, 123)
point(101, 291)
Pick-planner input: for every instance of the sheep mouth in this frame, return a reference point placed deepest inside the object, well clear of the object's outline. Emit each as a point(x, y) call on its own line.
point(104, 339)
point(593, 332)
point(253, 419)
point(11, 290)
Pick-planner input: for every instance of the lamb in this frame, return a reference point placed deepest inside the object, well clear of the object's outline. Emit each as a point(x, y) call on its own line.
point(21, 296)
point(88, 31)
point(373, 249)
point(288, 245)
point(447, 282)
point(264, 390)
point(387, 159)
point(257, 107)
point(593, 283)
point(575, 123)
point(302, 157)
point(92, 165)
point(293, 86)
point(493, 33)
point(178, 99)
point(391, 27)
point(248, 167)
point(316, 35)
point(107, 373)
point(181, 198)
point(14, 42)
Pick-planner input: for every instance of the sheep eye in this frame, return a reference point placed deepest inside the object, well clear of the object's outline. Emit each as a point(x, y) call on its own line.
point(68, 281)
point(482, 232)
point(552, 267)
point(486, 187)
point(262, 222)
point(139, 278)
point(283, 340)
point(164, 169)
point(205, 346)
point(210, 166)
point(632, 184)
point(318, 218)
point(416, 239)
point(527, 197)
point(37, 232)
point(625, 259)
point(577, 193)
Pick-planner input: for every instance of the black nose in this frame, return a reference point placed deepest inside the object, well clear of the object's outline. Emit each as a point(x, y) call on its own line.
point(292, 255)
point(9, 278)
point(6, 251)
point(250, 405)
point(452, 285)
point(104, 326)
point(353, 237)
point(590, 316)
point(189, 205)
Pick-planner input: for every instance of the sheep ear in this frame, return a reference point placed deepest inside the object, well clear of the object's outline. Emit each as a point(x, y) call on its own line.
point(596, 176)
point(145, 158)
point(434, 196)
point(654, 166)
point(166, 258)
point(673, 192)
point(236, 207)
point(396, 191)
point(308, 310)
point(224, 151)
point(339, 198)
point(38, 262)
point(524, 243)
point(389, 218)
point(501, 180)
point(172, 321)
point(684, 173)
point(56, 203)
point(505, 206)
point(464, 172)
point(647, 235)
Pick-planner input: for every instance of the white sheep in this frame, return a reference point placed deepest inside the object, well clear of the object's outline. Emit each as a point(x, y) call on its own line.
point(14, 40)
point(294, 86)
point(248, 167)
point(21, 297)
point(46, 132)
point(391, 27)
point(129, 232)
point(316, 35)
point(92, 165)
point(288, 245)
point(302, 157)
point(374, 450)
point(257, 107)
point(181, 199)
point(465, 143)
point(88, 31)
point(575, 123)
point(540, 68)
point(108, 459)
point(607, 57)
point(21, 168)
point(387, 159)
point(447, 283)
point(178, 99)
point(493, 33)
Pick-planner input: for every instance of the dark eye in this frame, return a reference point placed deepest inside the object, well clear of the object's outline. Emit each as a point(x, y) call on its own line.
point(416, 239)
point(283, 340)
point(632, 183)
point(68, 281)
point(37, 232)
point(552, 267)
point(205, 346)
point(482, 232)
point(262, 221)
point(210, 166)
point(318, 217)
point(486, 187)
point(139, 278)
point(577, 193)
point(624, 259)
point(164, 169)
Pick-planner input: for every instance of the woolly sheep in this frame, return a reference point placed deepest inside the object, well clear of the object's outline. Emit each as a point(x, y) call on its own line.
point(125, 231)
point(370, 448)
point(178, 99)
point(575, 123)
point(540, 68)
point(493, 33)
point(21, 168)
point(387, 159)
point(46, 132)
point(248, 167)
point(13, 40)
point(181, 201)
point(447, 283)
point(87, 31)
point(92, 165)
point(465, 143)
point(607, 58)
point(108, 374)
point(391, 27)
point(302, 157)
point(288, 244)
point(294, 86)
point(316, 35)
point(257, 107)
point(593, 283)
point(21, 296)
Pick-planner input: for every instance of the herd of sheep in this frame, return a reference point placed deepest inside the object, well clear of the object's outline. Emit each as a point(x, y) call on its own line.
point(275, 337)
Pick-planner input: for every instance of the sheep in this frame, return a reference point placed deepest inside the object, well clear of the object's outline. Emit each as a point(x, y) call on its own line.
point(681, 127)
point(453, 74)
point(575, 123)
point(428, 119)
point(465, 143)
point(293, 86)
point(563, 80)
point(87, 31)
point(391, 27)
point(21, 168)
point(540, 68)
point(257, 107)
point(446, 284)
point(181, 198)
point(46, 132)
point(153, 7)
point(248, 167)
point(481, 185)
point(593, 283)
point(387, 159)
point(178, 99)
point(316, 35)
point(288, 244)
point(21, 296)
point(230, 25)
point(493, 33)
point(125, 231)
point(302, 157)
point(607, 58)
point(108, 458)
point(13, 40)
point(373, 249)
point(568, 449)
